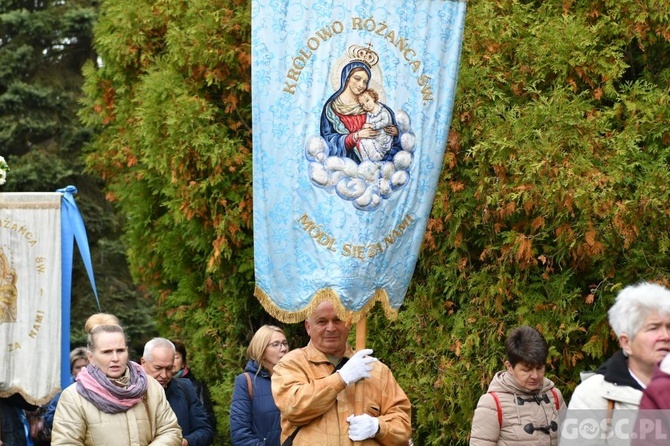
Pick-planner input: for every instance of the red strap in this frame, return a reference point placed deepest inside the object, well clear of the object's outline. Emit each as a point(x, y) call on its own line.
point(558, 403)
point(495, 397)
point(499, 408)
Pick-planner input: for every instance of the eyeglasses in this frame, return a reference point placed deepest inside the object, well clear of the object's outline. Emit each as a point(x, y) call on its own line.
point(278, 344)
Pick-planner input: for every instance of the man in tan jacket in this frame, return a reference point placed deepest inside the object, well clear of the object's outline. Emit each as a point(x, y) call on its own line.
point(315, 389)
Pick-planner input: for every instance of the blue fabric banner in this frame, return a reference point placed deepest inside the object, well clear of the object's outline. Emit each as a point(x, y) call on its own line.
point(352, 102)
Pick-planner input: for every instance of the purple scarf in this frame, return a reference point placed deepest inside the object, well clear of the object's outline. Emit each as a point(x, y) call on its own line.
point(97, 388)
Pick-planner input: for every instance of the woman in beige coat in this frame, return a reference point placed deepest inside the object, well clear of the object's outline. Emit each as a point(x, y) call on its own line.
point(521, 407)
point(113, 401)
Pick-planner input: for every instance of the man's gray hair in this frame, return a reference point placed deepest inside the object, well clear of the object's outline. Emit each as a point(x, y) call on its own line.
point(634, 304)
point(156, 343)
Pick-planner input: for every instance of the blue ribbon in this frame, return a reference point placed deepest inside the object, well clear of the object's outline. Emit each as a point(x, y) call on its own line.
point(72, 228)
point(26, 425)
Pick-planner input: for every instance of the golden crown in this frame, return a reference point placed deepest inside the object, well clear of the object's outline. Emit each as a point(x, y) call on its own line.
point(363, 54)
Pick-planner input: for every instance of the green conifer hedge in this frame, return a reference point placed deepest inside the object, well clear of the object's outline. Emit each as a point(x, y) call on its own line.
point(554, 192)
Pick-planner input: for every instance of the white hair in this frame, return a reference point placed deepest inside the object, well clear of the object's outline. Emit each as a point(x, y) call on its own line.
point(154, 344)
point(634, 304)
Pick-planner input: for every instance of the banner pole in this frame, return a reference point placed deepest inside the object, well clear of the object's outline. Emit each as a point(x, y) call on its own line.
point(359, 401)
point(361, 328)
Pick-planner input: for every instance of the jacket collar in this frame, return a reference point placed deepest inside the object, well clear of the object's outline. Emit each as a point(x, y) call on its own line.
point(317, 356)
point(252, 367)
point(615, 371)
point(505, 382)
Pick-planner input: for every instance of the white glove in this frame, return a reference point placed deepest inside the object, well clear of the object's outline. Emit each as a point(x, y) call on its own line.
point(362, 427)
point(358, 367)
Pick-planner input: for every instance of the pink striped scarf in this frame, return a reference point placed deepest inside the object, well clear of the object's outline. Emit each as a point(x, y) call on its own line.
point(97, 388)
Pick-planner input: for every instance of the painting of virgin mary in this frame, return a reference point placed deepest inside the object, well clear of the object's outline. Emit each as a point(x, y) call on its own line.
point(343, 117)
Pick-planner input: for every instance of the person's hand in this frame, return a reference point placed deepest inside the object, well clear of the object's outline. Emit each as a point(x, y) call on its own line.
point(391, 130)
point(367, 133)
point(362, 427)
point(358, 367)
point(184, 442)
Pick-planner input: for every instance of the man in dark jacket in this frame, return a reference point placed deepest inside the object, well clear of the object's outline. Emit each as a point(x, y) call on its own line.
point(158, 360)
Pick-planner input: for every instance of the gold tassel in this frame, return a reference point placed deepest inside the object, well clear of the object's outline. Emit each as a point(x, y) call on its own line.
point(326, 294)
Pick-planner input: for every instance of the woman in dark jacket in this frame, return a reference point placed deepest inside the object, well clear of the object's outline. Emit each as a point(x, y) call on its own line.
point(181, 370)
point(254, 417)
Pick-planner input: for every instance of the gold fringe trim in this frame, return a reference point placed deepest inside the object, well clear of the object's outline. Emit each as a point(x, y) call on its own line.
point(30, 200)
point(292, 317)
point(6, 393)
point(15, 205)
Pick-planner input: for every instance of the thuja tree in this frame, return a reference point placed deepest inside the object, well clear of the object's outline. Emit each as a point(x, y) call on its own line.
point(552, 196)
point(171, 102)
point(43, 46)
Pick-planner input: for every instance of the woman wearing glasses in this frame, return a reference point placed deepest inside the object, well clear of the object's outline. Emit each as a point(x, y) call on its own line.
point(521, 407)
point(254, 417)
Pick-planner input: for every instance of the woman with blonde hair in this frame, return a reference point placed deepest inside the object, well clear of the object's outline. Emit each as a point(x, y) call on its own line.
point(113, 401)
point(100, 319)
point(254, 417)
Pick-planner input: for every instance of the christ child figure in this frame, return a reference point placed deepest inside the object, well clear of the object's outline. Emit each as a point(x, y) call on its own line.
point(377, 118)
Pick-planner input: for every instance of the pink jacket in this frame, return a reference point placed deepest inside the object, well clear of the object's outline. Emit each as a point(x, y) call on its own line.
point(653, 423)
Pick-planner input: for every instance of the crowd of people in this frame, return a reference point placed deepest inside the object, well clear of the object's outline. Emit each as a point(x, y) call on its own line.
point(326, 394)
point(620, 403)
point(115, 401)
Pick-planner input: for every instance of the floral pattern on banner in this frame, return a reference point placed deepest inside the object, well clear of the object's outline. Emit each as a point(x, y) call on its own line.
point(352, 102)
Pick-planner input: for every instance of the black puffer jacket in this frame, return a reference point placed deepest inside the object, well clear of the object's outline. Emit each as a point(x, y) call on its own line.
point(12, 429)
point(203, 395)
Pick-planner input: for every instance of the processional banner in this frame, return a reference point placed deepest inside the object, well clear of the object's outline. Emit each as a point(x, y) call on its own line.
point(352, 102)
point(30, 295)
